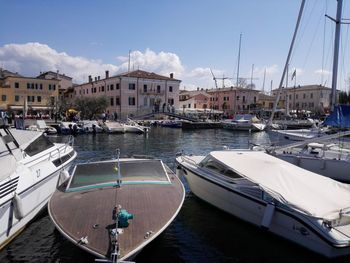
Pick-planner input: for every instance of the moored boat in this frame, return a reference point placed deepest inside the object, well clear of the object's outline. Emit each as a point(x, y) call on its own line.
point(31, 166)
point(306, 208)
point(112, 209)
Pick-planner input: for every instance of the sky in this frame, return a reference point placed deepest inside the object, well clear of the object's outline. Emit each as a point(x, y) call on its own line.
point(189, 38)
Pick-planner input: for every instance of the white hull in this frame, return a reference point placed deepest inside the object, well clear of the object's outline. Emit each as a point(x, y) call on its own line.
point(244, 126)
point(299, 135)
point(335, 169)
point(284, 223)
point(37, 180)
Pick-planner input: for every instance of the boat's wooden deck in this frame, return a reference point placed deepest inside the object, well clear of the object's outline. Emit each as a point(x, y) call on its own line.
point(152, 205)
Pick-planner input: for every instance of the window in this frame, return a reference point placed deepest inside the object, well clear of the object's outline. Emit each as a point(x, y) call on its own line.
point(112, 101)
point(16, 98)
point(304, 96)
point(38, 98)
point(290, 96)
point(117, 101)
point(296, 96)
point(254, 99)
point(131, 101)
point(103, 88)
point(321, 95)
point(112, 87)
point(189, 105)
point(170, 88)
point(117, 86)
point(36, 85)
point(237, 98)
point(158, 89)
point(30, 98)
point(41, 86)
point(95, 90)
point(49, 86)
point(212, 165)
point(132, 86)
point(171, 101)
point(311, 95)
point(54, 87)
point(16, 85)
point(195, 105)
point(243, 98)
point(40, 144)
point(28, 85)
point(32, 86)
point(145, 88)
point(3, 97)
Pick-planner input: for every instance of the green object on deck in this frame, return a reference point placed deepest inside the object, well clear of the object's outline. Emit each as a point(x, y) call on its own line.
point(123, 218)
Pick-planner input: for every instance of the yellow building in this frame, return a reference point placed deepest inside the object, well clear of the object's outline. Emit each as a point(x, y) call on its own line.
point(35, 95)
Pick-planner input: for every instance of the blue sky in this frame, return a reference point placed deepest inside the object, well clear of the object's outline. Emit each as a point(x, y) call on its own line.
point(187, 37)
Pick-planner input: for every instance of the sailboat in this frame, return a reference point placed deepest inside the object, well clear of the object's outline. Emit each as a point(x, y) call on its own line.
point(331, 159)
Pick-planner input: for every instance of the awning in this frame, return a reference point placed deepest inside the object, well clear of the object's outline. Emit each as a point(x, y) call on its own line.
point(16, 107)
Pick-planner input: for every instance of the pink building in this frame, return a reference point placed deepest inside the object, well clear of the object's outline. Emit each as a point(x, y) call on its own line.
point(134, 93)
point(228, 100)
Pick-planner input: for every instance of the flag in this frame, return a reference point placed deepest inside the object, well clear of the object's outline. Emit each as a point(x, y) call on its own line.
point(294, 74)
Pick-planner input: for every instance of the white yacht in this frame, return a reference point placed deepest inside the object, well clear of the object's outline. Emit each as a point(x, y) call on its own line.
point(306, 208)
point(113, 127)
point(30, 169)
point(90, 126)
point(244, 122)
point(134, 127)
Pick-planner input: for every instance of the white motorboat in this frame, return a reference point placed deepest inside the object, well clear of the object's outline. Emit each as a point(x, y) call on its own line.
point(31, 166)
point(244, 122)
point(112, 209)
point(301, 134)
point(113, 127)
point(134, 127)
point(90, 126)
point(42, 127)
point(306, 208)
point(70, 128)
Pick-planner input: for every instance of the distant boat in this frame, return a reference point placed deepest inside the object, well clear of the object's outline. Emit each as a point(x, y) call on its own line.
point(113, 127)
point(42, 127)
point(31, 167)
point(90, 126)
point(244, 122)
point(303, 207)
point(112, 209)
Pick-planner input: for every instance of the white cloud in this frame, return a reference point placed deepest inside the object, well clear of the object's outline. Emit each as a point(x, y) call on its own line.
point(161, 63)
point(31, 58)
point(322, 72)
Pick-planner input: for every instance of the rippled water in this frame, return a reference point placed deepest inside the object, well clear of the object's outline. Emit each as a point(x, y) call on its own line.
point(200, 233)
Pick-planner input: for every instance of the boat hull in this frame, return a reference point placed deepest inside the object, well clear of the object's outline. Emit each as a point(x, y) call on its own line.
point(33, 199)
point(286, 224)
point(154, 207)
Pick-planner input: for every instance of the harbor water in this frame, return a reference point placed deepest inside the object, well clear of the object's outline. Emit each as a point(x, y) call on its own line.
point(200, 232)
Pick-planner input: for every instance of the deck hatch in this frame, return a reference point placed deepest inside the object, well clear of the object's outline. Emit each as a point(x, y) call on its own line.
point(102, 174)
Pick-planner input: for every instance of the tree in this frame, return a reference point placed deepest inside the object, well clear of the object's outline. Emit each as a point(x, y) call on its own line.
point(90, 107)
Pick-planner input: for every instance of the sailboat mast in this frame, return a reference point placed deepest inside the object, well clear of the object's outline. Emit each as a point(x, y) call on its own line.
point(336, 54)
point(239, 57)
point(287, 62)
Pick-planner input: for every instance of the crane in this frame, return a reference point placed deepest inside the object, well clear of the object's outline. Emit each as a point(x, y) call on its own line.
point(223, 79)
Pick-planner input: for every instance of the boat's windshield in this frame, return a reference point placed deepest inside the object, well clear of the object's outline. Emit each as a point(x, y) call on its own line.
point(40, 144)
point(92, 175)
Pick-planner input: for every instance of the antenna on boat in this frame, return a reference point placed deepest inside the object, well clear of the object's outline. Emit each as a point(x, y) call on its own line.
point(119, 179)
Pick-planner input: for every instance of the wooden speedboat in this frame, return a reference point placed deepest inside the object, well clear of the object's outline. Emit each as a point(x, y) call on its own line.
point(114, 208)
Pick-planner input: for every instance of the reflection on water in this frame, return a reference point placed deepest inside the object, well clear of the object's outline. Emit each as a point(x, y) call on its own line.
point(200, 233)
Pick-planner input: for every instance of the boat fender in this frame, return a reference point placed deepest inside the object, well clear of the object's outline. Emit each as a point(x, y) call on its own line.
point(18, 207)
point(123, 218)
point(268, 215)
point(64, 176)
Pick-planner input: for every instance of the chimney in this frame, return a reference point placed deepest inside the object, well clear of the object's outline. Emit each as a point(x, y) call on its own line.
point(171, 75)
point(98, 77)
point(57, 74)
point(90, 79)
point(107, 74)
point(197, 88)
point(95, 78)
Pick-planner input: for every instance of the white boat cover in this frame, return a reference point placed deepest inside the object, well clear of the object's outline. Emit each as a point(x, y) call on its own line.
point(299, 189)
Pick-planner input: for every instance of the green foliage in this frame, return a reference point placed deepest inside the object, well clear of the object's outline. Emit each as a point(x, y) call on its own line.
point(89, 107)
point(344, 97)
